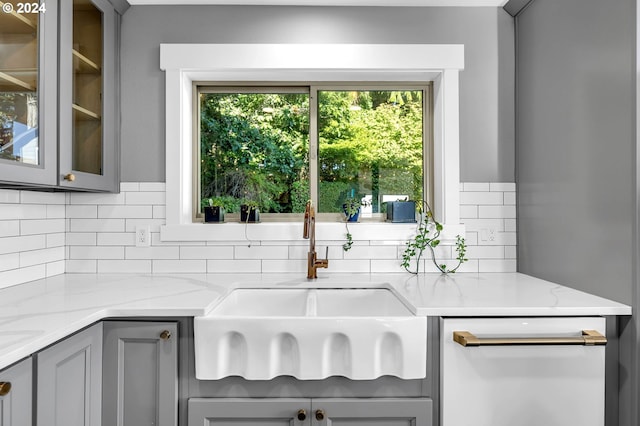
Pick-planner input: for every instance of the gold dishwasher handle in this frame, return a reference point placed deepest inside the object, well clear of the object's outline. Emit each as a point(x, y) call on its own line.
point(588, 338)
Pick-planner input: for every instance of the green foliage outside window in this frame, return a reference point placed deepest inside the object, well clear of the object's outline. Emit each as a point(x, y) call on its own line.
point(255, 146)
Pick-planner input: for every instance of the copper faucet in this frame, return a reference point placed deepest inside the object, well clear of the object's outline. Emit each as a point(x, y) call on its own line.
point(313, 263)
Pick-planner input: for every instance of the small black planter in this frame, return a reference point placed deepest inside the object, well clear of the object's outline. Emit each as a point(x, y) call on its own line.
point(401, 211)
point(249, 214)
point(213, 214)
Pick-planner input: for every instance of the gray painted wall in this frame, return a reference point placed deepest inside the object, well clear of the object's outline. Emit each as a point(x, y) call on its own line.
point(486, 84)
point(575, 144)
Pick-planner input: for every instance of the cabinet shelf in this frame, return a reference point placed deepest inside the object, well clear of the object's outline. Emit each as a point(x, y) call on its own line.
point(18, 80)
point(84, 114)
point(84, 65)
point(15, 23)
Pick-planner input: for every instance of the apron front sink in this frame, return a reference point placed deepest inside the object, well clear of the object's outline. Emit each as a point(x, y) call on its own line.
point(310, 334)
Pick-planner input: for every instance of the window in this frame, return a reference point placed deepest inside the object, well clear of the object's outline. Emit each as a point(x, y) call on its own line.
point(436, 65)
point(280, 146)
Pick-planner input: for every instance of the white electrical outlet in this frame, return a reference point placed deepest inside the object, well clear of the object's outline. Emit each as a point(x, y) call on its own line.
point(143, 236)
point(487, 234)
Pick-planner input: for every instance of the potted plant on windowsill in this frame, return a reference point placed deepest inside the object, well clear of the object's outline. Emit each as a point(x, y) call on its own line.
point(249, 212)
point(214, 210)
point(351, 209)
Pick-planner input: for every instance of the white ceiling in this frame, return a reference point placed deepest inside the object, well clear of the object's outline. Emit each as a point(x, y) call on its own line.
point(421, 3)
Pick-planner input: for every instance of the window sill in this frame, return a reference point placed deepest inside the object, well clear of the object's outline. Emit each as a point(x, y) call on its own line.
point(292, 231)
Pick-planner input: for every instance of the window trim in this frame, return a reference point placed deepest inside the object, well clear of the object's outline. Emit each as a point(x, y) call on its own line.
point(312, 89)
point(187, 63)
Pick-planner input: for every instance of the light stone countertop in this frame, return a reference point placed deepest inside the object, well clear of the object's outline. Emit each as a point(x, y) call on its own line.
point(36, 314)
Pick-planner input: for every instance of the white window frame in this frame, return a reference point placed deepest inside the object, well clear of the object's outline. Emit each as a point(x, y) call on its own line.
point(185, 64)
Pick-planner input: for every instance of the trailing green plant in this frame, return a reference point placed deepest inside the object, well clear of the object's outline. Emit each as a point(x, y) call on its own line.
point(427, 238)
point(349, 239)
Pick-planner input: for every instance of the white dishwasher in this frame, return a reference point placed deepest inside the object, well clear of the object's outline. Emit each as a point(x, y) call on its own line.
point(522, 371)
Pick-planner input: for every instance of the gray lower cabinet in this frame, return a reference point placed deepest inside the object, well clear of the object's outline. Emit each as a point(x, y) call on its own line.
point(69, 376)
point(15, 394)
point(140, 373)
point(310, 412)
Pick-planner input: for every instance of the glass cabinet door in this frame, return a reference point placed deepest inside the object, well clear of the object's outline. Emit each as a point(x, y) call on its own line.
point(87, 65)
point(25, 28)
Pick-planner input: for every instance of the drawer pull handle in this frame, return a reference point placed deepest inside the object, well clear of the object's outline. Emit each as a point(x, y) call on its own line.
point(588, 338)
point(70, 177)
point(319, 415)
point(5, 387)
point(302, 415)
point(165, 335)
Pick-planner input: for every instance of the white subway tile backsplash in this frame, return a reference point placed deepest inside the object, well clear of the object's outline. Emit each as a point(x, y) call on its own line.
point(55, 268)
point(56, 240)
point(35, 197)
point(96, 199)
point(129, 186)
point(125, 212)
point(56, 211)
point(9, 228)
point(9, 261)
point(206, 252)
point(22, 275)
point(477, 198)
point(153, 186)
point(81, 238)
point(159, 252)
point(154, 224)
point(497, 265)
point(145, 198)
point(22, 243)
point(242, 266)
point(506, 212)
point(115, 239)
point(283, 266)
point(82, 211)
point(502, 186)
point(97, 225)
point(179, 266)
point(372, 252)
point(37, 257)
point(124, 266)
point(9, 196)
point(96, 252)
point(475, 186)
point(81, 266)
point(261, 252)
point(509, 198)
point(42, 226)
point(45, 234)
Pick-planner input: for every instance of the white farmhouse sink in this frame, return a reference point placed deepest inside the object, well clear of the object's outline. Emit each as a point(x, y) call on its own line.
point(310, 334)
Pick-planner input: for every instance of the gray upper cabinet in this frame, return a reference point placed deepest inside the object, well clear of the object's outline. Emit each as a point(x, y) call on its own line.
point(58, 95)
point(140, 373)
point(88, 154)
point(69, 377)
point(28, 94)
point(15, 394)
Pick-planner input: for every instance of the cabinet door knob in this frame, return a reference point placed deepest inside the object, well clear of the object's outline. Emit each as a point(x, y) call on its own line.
point(70, 177)
point(5, 387)
point(319, 415)
point(302, 415)
point(165, 335)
